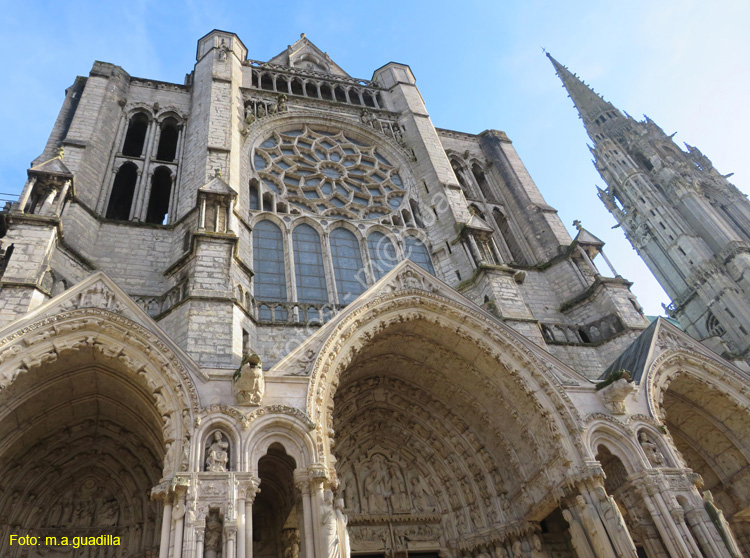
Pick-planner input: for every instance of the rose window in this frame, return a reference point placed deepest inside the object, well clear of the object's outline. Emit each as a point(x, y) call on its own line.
point(329, 173)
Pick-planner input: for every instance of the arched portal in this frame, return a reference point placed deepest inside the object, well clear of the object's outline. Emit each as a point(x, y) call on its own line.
point(443, 434)
point(706, 412)
point(88, 426)
point(277, 508)
point(710, 425)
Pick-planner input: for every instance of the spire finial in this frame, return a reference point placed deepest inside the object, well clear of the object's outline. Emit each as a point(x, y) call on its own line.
point(59, 152)
point(577, 225)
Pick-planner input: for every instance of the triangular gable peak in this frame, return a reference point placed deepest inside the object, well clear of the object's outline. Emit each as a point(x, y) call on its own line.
point(659, 338)
point(408, 276)
point(98, 292)
point(304, 55)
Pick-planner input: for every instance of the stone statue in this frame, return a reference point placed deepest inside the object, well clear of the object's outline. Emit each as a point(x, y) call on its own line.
point(212, 542)
point(717, 516)
point(329, 527)
point(651, 450)
point(536, 548)
point(593, 526)
point(248, 384)
point(399, 497)
point(517, 549)
point(615, 524)
point(578, 537)
point(423, 500)
point(217, 454)
point(375, 489)
point(281, 103)
point(343, 532)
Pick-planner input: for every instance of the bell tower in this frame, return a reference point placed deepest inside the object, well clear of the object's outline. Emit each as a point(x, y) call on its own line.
point(685, 219)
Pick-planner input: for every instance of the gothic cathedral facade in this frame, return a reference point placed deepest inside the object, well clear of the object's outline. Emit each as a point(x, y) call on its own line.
point(274, 312)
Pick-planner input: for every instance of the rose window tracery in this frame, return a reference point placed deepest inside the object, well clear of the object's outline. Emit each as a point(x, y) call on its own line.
point(329, 173)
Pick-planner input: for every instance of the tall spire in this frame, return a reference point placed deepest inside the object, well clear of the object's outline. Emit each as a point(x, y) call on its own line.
point(590, 105)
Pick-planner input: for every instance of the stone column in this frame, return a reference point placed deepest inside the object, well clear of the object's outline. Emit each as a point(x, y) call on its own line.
point(302, 480)
point(247, 490)
point(613, 523)
point(166, 525)
point(670, 535)
point(178, 514)
point(317, 489)
point(24, 198)
point(202, 218)
point(199, 533)
point(231, 534)
point(698, 529)
point(594, 528)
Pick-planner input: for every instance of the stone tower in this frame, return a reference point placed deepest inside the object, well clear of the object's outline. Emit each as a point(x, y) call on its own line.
point(683, 217)
point(224, 301)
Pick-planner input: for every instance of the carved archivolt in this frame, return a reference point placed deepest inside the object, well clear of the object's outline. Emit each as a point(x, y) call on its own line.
point(678, 361)
point(93, 332)
point(358, 328)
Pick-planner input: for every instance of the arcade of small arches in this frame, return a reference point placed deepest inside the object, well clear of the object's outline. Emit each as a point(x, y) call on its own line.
point(145, 169)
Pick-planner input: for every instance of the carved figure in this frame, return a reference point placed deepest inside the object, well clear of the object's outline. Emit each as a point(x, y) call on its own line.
point(578, 537)
point(213, 534)
point(536, 548)
point(651, 450)
point(249, 385)
point(343, 533)
point(717, 516)
point(217, 455)
point(375, 488)
point(591, 522)
point(423, 500)
point(281, 103)
point(517, 549)
point(615, 524)
point(399, 497)
point(329, 527)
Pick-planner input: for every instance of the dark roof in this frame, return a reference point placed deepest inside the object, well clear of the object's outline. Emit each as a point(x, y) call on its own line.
point(634, 358)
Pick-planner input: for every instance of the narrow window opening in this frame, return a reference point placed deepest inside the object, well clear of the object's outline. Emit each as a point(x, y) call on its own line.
point(681, 251)
point(368, 100)
point(458, 275)
point(254, 195)
point(297, 88)
point(158, 203)
point(135, 136)
point(123, 189)
point(510, 239)
point(584, 336)
point(448, 246)
point(310, 90)
point(266, 82)
point(340, 94)
point(482, 182)
point(268, 204)
point(729, 312)
point(167, 150)
point(325, 91)
point(662, 225)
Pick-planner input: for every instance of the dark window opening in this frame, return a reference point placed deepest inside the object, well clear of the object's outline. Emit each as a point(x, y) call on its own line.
point(135, 136)
point(354, 97)
point(281, 84)
point(255, 80)
point(266, 82)
point(510, 239)
point(297, 88)
point(482, 182)
point(123, 190)
point(368, 100)
point(325, 92)
point(268, 204)
point(584, 336)
point(254, 195)
point(167, 150)
point(310, 90)
point(340, 94)
point(158, 203)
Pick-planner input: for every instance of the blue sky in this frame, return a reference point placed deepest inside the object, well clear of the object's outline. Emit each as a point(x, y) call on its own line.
point(478, 65)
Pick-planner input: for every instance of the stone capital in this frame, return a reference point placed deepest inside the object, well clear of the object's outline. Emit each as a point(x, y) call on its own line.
point(248, 489)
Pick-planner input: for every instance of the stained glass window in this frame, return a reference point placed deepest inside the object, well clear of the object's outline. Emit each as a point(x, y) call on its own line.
point(347, 265)
point(308, 264)
point(415, 251)
point(382, 254)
